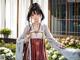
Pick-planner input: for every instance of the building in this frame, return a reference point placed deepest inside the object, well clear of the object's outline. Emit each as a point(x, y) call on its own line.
point(62, 16)
point(65, 17)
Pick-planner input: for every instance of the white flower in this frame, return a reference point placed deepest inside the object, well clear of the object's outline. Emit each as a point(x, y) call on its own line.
point(3, 54)
point(62, 58)
point(53, 49)
point(2, 48)
point(8, 54)
point(77, 41)
point(68, 38)
point(14, 56)
point(63, 39)
point(50, 51)
point(56, 52)
point(63, 42)
point(54, 56)
point(70, 43)
point(72, 40)
point(6, 51)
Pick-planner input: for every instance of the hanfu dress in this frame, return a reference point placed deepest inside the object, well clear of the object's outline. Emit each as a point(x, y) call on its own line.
point(35, 48)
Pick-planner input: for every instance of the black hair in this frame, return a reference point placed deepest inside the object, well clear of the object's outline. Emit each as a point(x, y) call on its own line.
point(35, 8)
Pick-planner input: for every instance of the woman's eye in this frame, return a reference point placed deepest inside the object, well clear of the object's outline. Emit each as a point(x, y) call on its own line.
point(32, 15)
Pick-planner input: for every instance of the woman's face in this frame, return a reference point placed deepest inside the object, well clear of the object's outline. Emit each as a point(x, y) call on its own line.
point(36, 18)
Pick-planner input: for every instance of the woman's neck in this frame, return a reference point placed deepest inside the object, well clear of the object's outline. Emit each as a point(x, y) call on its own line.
point(36, 24)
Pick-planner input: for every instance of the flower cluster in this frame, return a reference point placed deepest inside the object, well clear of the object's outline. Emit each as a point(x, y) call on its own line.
point(54, 55)
point(7, 53)
point(73, 42)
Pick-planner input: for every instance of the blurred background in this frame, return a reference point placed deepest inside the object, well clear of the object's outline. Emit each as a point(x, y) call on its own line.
point(61, 16)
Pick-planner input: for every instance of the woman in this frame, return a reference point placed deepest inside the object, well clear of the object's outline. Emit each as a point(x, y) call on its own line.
point(33, 49)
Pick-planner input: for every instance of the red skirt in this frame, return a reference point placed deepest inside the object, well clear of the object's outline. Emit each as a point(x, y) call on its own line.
point(38, 51)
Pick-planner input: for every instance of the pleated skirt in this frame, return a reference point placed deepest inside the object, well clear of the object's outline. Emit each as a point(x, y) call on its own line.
point(38, 51)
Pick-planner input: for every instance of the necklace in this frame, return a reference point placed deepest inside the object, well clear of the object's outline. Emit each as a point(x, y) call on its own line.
point(36, 31)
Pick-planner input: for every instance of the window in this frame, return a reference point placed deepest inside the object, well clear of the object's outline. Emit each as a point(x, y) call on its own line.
point(65, 18)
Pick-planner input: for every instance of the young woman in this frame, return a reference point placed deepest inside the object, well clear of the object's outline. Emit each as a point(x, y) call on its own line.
point(32, 48)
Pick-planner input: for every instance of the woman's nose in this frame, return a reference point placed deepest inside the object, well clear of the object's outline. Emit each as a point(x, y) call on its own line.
point(35, 16)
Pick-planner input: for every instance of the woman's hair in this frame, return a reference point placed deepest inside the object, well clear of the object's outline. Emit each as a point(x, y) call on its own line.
point(35, 8)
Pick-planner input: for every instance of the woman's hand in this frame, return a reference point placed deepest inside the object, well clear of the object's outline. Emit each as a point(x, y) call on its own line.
point(62, 46)
point(27, 37)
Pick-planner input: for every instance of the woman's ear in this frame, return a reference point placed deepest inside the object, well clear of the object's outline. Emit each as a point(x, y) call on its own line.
point(40, 18)
point(40, 15)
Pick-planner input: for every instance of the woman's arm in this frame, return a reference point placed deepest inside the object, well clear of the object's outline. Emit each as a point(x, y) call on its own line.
point(20, 43)
point(54, 43)
point(23, 35)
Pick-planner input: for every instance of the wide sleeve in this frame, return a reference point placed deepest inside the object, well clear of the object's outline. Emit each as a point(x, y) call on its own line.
point(53, 41)
point(19, 44)
point(26, 29)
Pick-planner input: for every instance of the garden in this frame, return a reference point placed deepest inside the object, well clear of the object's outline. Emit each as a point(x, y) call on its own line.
point(72, 42)
point(9, 49)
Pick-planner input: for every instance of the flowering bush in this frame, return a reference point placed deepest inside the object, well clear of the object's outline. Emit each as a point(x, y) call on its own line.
point(71, 41)
point(7, 53)
point(52, 53)
point(68, 42)
point(10, 45)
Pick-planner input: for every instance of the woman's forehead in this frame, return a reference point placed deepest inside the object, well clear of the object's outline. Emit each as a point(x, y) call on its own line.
point(35, 12)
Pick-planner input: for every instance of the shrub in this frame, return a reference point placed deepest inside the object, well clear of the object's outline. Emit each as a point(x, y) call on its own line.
point(7, 53)
point(71, 41)
point(6, 32)
point(52, 53)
